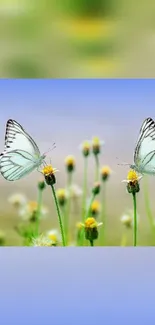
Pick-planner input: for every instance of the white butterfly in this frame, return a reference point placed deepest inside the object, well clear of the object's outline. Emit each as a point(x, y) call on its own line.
point(21, 154)
point(144, 156)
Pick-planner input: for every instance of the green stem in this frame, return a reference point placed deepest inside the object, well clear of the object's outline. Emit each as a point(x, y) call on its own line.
point(91, 243)
point(135, 219)
point(89, 207)
point(103, 215)
point(87, 214)
point(84, 188)
point(97, 168)
point(38, 211)
point(147, 205)
point(67, 214)
point(78, 237)
point(59, 215)
point(65, 220)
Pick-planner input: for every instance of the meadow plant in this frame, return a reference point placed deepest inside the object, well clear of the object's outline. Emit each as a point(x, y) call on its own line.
point(49, 174)
point(91, 215)
point(133, 188)
point(70, 167)
point(85, 149)
point(96, 149)
point(105, 174)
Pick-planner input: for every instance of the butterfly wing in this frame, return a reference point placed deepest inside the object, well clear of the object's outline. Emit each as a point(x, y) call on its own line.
point(17, 138)
point(144, 156)
point(21, 155)
point(16, 164)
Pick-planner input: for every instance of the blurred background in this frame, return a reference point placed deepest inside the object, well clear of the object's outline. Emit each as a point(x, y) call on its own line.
point(68, 112)
point(77, 38)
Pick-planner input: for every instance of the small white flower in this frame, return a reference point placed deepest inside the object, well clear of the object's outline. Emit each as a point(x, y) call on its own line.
point(54, 236)
point(28, 211)
point(127, 219)
point(41, 241)
point(17, 200)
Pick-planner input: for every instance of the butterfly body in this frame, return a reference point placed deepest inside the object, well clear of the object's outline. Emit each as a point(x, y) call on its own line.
point(144, 156)
point(21, 154)
point(143, 170)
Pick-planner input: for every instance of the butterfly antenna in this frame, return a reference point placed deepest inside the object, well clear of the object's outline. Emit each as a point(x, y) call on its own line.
point(123, 163)
point(50, 149)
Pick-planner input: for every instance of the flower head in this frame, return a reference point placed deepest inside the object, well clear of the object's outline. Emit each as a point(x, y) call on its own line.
point(29, 211)
point(41, 241)
point(96, 145)
point(127, 219)
point(132, 182)
point(54, 236)
point(17, 200)
point(132, 176)
point(91, 228)
point(62, 196)
point(48, 172)
point(96, 188)
point(70, 163)
point(105, 173)
point(95, 208)
point(41, 185)
point(85, 147)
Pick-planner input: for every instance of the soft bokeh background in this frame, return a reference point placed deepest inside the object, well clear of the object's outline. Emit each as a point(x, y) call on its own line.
point(77, 38)
point(67, 112)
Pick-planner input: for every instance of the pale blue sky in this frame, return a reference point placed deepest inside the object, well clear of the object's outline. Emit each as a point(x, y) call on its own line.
point(68, 111)
point(82, 107)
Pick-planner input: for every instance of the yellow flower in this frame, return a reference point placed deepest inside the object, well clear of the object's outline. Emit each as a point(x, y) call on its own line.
point(48, 172)
point(105, 172)
point(132, 182)
point(91, 228)
point(41, 241)
point(90, 223)
point(70, 163)
point(132, 176)
point(62, 196)
point(85, 147)
point(96, 145)
point(85, 28)
point(95, 208)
